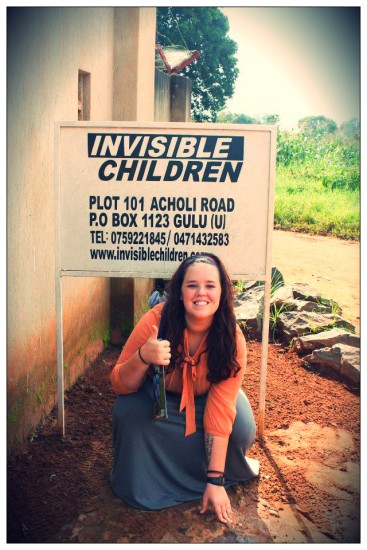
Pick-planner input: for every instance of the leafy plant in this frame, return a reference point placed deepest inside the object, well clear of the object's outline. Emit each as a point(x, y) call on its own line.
point(274, 316)
point(106, 337)
point(277, 281)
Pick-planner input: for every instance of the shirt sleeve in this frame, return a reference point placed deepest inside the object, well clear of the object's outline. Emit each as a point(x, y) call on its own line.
point(220, 409)
point(137, 338)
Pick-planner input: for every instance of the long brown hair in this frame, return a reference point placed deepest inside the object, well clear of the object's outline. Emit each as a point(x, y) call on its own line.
point(221, 341)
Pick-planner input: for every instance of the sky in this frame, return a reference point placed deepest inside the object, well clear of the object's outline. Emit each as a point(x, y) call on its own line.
point(296, 62)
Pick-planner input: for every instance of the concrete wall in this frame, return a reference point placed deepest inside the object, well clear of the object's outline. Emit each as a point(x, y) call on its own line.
point(46, 49)
point(129, 296)
point(162, 96)
point(172, 103)
point(172, 98)
point(180, 99)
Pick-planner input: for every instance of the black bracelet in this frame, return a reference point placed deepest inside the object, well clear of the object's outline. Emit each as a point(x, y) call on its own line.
point(214, 472)
point(141, 357)
point(216, 480)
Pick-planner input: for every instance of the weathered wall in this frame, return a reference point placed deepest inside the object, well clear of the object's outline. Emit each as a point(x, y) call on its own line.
point(172, 103)
point(132, 29)
point(162, 97)
point(46, 48)
point(172, 98)
point(180, 110)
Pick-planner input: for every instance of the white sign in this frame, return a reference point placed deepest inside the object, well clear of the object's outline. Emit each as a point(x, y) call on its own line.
point(135, 199)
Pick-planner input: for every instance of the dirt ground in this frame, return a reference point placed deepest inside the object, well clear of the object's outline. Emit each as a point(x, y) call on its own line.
point(331, 266)
point(311, 442)
point(308, 488)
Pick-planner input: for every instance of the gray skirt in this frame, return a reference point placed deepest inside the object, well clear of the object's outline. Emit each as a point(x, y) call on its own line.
point(155, 466)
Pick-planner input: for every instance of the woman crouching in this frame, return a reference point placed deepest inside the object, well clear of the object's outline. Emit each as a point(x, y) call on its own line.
point(200, 449)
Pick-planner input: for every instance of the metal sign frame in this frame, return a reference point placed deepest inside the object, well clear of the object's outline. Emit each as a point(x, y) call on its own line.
point(60, 272)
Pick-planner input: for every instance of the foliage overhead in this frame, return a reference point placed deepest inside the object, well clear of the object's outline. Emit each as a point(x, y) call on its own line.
point(214, 73)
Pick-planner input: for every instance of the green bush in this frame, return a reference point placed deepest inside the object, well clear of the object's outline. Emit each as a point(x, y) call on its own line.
point(333, 159)
point(309, 206)
point(318, 183)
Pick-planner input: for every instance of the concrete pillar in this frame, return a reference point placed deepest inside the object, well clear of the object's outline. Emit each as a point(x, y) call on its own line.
point(133, 100)
point(133, 83)
point(180, 98)
point(162, 97)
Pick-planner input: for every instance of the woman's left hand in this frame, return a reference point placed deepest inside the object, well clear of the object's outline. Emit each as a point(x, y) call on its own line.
point(217, 496)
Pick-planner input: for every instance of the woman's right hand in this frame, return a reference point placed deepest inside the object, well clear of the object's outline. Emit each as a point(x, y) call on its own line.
point(154, 351)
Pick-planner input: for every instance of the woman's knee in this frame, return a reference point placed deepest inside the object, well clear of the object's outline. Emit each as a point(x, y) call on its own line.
point(244, 427)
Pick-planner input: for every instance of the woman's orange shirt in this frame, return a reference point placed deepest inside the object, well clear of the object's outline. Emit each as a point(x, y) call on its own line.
point(190, 380)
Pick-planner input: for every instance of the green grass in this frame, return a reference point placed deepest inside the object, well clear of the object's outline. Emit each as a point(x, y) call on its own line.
point(303, 204)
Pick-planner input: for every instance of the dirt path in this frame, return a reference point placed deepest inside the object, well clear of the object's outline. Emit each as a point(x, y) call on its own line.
point(331, 266)
point(307, 491)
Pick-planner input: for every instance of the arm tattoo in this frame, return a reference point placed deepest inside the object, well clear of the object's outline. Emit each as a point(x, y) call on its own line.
point(208, 446)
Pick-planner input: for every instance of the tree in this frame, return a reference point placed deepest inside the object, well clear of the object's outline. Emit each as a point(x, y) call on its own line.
point(351, 128)
point(270, 119)
point(240, 118)
point(233, 118)
point(317, 125)
point(214, 73)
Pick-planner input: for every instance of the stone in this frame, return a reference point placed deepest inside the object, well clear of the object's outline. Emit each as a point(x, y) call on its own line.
point(342, 323)
point(232, 537)
point(304, 305)
point(335, 307)
point(325, 339)
point(325, 357)
point(248, 311)
point(291, 324)
point(283, 294)
point(351, 362)
point(245, 285)
point(304, 291)
point(340, 357)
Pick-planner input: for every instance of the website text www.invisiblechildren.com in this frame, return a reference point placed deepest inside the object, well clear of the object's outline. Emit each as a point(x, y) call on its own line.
point(166, 254)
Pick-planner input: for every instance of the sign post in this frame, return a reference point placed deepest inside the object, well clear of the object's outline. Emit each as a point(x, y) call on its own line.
point(136, 199)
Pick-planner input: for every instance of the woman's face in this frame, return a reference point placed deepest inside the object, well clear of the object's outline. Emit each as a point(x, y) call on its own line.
point(201, 291)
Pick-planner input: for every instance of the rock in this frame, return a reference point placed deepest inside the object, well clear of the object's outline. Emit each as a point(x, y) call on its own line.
point(254, 295)
point(283, 294)
point(327, 302)
point(325, 357)
point(303, 305)
point(351, 362)
point(292, 324)
point(343, 323)
point(305, 292)
point(248, 311)
point(246, 285)
point(340, 357)
point(325, 339)
point(232, 537)
point(277, 282)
